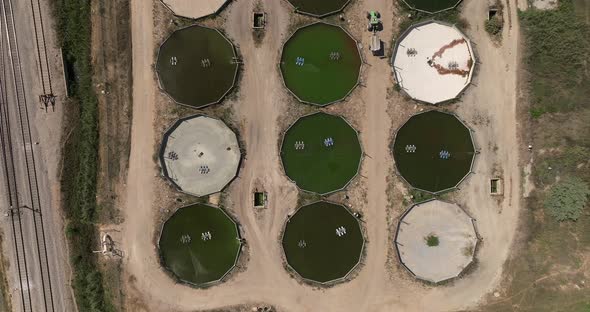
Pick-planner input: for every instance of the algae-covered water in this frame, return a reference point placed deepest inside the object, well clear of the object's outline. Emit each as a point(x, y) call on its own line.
point(314, 166)
point(199, 244)
point(313, 246)
point(330, 67)
point(432, 5)
point(318, 8)
point(195, 66)
point(421, 146)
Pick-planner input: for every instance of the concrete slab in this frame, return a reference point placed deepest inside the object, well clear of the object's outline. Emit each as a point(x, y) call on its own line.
point(194, 8)
point(456, 235)
point(200, 155)
point(433, 62)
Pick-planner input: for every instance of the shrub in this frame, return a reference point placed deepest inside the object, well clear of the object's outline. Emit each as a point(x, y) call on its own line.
point(494, 26)
point(420, 196)
point(537, 112)
point(567, 199)
point(432, 240)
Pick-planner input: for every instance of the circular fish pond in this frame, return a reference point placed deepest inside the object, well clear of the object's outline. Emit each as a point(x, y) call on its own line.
point(436, 240)
point(196, 66)
point(433, 151)
point(319, 8)
point(433, 62)
point(199, 244)
point(431, 6)
point(323, 242)
point(200, 155)
point(320, 63)
point(321, 153)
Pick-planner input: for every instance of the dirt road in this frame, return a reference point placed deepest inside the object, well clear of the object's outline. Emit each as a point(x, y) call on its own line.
point(138, 208)
point(488, 107)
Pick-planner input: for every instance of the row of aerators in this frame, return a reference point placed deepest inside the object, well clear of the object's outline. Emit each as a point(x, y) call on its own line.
point(321, 153)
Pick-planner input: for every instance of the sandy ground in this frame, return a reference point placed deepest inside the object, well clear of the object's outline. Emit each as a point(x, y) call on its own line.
point(139, 186)
point(46, 128)
point(380, 285)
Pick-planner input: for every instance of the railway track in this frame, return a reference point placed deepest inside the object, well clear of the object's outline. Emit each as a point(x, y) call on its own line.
point(47, 98)
point(13, 200)
point(22, 185)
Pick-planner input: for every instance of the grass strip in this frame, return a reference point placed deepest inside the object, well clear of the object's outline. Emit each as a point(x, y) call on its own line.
point(80, 153)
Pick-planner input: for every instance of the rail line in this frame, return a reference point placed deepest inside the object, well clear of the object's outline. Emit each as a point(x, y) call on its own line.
point(44, 71)
point(38, 242)
point(10, 179)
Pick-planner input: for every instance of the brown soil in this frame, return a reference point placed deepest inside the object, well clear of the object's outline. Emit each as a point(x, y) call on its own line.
point(111, 60)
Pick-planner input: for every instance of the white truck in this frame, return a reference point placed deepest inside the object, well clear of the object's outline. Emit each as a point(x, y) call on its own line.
point(375, 45)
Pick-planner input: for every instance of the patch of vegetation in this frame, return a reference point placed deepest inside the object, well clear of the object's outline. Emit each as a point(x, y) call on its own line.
point(431, 240)
point(306, 198)
point(80, 154)
point(556, 56)
point(563, 162)
point(420, 196)
point(494, 26)
point(567, 199)
point(5, 303)
point(548, 271)
point(537, 112)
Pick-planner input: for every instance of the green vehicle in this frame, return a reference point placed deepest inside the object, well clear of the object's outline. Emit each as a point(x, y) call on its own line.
point(374, 22)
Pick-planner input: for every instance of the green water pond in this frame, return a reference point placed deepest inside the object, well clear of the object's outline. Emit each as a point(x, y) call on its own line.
point(314, 166)
point(317, 247)
point(330, 64)
point(195, 66)
point(199, 244)
point(433, 151)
